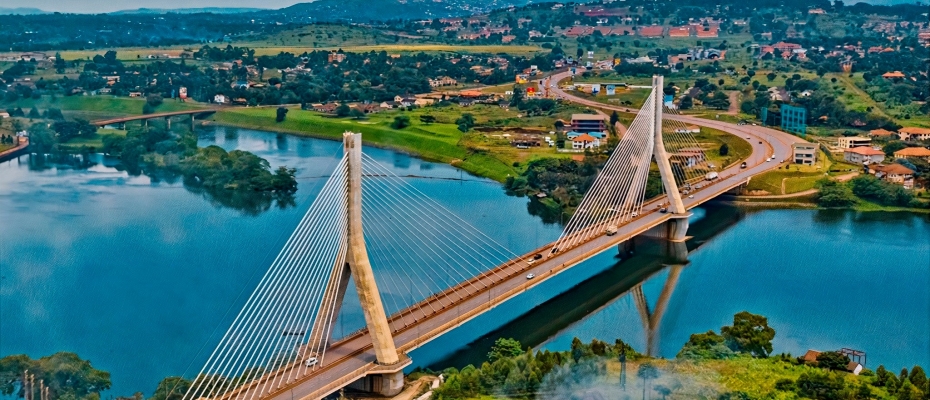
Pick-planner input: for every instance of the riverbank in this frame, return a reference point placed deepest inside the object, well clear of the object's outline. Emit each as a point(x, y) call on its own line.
point(14, 151)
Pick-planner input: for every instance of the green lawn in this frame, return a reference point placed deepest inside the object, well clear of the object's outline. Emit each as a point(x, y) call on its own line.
point(95, 142)
point(440, 141)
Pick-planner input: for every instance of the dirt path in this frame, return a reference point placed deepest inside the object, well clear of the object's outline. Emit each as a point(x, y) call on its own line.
point(783, 195)
point(734, 103)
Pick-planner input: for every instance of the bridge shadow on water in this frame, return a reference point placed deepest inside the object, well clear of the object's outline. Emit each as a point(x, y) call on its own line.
point(536, 316)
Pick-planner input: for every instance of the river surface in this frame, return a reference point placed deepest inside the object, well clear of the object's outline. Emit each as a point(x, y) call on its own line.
point(141, 277)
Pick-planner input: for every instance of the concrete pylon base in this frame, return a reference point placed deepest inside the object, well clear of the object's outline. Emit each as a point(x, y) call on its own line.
point(677, 229)
point(391, 384)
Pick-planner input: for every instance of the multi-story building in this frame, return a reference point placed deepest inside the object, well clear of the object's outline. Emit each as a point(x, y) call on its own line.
point(804, 153)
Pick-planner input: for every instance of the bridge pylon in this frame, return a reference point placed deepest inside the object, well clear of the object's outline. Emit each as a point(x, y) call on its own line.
point(357, 264)
point(677, 227)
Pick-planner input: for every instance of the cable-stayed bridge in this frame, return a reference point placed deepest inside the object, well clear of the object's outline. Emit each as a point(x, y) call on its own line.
point(280, 345)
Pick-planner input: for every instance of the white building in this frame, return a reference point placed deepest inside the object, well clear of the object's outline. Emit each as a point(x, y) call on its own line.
point(863, 155)
point(585, 141)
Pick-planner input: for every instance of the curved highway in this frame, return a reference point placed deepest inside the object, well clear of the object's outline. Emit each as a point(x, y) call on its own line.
point(765, 142)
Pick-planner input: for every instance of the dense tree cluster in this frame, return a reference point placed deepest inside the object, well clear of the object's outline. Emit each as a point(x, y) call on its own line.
point(517, 373)
point(65, 374)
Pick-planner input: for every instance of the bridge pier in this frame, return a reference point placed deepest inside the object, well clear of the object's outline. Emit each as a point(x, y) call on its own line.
point(387, 384)
point(676, 229)
point(626, 248)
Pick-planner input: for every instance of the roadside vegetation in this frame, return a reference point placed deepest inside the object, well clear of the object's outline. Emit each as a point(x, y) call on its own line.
point(737, 363)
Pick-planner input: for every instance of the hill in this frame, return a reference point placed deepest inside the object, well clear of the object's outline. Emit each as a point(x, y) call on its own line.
point(201, 10)
point(21, 11)
point(366, 10)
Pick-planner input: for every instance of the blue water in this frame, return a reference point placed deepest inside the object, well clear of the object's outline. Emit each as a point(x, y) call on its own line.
point(824, 279)
point(142, 277)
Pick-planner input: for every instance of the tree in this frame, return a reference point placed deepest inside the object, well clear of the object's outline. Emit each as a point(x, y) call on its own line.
point(504, 348)
point(342, 110)
point(893, 146)
point(750, 333)
point(832, 360)
point(466, 119)
point(614, 118)
point(400, 122)
point(34, 113)
point(171, 388)
point(647, 371)
point(770, 76)
point(41, 139)
point(686, 103)
point(834, 194)
point(154, 100)
point(516, 100)
point(65, 374)
point(356, 113)
point(427, 119)
point(281, 114)
point(708, 345)
point(724, 149)
point(820, 385)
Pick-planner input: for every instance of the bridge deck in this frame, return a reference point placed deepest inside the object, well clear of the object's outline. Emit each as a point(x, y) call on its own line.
point(121, 120)
point(353, 357)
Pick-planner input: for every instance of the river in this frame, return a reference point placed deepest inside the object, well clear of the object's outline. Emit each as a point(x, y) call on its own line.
point(141, 276)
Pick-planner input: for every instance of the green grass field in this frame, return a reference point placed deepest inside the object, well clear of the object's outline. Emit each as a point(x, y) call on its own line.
point(95, 142)
point(98, 107)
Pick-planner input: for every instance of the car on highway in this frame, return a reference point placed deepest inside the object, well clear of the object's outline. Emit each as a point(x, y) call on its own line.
point(530, 261)
point(311, 362)
point(634, 214)
point(743, 165)
point(537, 256)
point(530, 276)
point(760, 142)
point(663, 211)
point(611, 230)
point(768, 159)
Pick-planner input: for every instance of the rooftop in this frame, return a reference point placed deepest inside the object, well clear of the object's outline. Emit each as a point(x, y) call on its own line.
point(895, 169)
point(912, 152)
point(588, 117)
point(865, 151)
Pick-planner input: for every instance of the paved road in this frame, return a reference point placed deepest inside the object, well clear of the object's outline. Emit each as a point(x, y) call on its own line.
point(352, 357)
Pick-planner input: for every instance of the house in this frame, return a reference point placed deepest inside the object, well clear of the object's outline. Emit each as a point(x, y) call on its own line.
point(589, 122)
point(652, 31)
point(863, 155)
point(680, 31)
point(880, 133)
point(219, 99)
point(711, 32)
point(783, 46)
point(893, 75)
point(4, 114)
point(328, 108)
point(914, 133)
point(779, 94)
point(423, 102)
point(336, 57)
point(585, 141)
point(854, 368)
point(689, 129)
point(135, 94)
point(912, 152)
point(894, 173)
point(804, 153)
point(442, 81)
point(810, 357)
point(389, 104)
point(853, 141)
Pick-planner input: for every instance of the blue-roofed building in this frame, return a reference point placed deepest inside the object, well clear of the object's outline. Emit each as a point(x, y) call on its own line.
point(595, 134)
